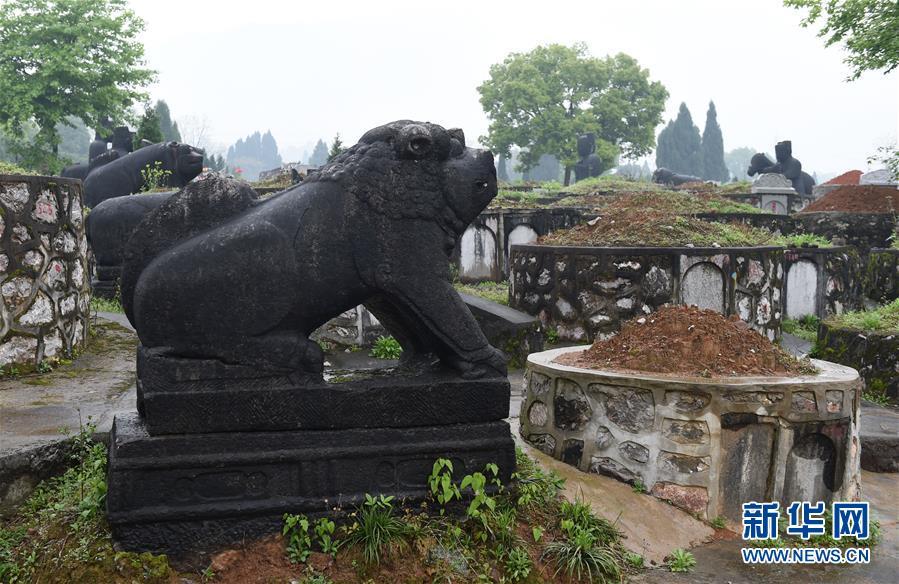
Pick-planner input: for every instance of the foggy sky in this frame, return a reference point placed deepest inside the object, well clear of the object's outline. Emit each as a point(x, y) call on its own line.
point(307, 70)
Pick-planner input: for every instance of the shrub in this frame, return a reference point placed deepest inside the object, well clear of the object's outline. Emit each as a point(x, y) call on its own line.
point(386, 348)
point(681, 561)
point(377, 530)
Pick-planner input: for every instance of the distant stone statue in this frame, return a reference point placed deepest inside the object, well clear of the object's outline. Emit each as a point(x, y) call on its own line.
point(123, 174)
point(214, 273)
point(98, 152)
point(589, 164)
point(663, 176)
point(785, 165)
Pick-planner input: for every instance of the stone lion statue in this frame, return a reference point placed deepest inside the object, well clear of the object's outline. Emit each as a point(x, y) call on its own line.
point(121, 174)
point(216, 273)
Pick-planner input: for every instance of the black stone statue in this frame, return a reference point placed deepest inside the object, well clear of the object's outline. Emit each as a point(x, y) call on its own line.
point(98, 153)
point(374, 226)
point(122, 174)
point(663, 176)
point(235, 423)
point(785, 165)
point(589, 164)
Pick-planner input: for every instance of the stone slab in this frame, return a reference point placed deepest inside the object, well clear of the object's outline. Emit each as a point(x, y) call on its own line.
point(193, 396)
point(184, 494)
point(879, 436)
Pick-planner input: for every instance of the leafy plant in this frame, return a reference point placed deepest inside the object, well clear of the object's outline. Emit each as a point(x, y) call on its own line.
point(635, 560)
point(802, 240)
point(578, 515)
point(377, 530)
point(386, 348)
point(805, 328)
point(534, 486)
point(440, 481)
point(681, 561)
point(719, 522)
point(154, 176)
point(638, 487)
point(324, 536)
point(552, 335)
point(518, 565)
point(536, 533)
point(299, 544)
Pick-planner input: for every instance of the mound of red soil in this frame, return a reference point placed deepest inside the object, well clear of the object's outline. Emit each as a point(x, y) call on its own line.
point(688, 341)
point(858, 199)
point(847, 178)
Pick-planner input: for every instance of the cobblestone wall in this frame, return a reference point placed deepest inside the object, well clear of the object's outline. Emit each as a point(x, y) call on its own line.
point(585, 292)
point(43, 269)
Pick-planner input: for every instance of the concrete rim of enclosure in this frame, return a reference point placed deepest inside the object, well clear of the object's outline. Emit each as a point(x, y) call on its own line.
point(706, 445)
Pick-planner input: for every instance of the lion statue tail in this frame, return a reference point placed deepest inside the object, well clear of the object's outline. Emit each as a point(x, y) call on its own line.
point(194, 209)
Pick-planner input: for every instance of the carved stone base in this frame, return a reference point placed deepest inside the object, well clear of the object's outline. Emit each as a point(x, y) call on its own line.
point(184, 495)
point(177, 395)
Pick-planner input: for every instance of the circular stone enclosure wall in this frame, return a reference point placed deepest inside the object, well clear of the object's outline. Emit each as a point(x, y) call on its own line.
point(588, 292)
point(705, 445)
point(44, 272)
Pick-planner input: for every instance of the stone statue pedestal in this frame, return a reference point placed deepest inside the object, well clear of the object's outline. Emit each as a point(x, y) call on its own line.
point(221, 452)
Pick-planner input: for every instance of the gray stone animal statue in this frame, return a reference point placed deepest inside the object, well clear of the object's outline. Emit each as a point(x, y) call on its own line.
point(214, 273)
point(785, 165)
point(663, 176)
point(122, 176)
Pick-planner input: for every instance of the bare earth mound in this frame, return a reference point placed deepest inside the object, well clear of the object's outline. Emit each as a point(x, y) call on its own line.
point(847, 178)
point(858, 199)
point(688, 341)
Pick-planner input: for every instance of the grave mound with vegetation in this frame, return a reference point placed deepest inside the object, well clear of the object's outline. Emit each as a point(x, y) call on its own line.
point(662, 219)
point(689, 341)
point(884, 319)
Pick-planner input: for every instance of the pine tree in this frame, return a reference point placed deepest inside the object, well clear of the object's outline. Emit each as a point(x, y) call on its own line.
point(680, 145)
point(713, 166)
point(319, 154)
point(269, 151)
point(169, 129)
point(336, 148)
point(149, 128)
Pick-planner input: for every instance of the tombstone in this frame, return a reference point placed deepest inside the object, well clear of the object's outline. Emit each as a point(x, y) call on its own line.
point(776, 191)
point(878, 177)
point(235, 424)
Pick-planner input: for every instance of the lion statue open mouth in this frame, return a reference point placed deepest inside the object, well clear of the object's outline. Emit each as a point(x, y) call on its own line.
point(216, 273)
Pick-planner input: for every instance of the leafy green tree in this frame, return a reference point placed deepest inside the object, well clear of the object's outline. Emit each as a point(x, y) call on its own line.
point(169, 128)
point(868, 30)
point(336, 148)
point(542, 100)
point(61, 58)
point(149, 128)
point(713, 167)
point(680, 145)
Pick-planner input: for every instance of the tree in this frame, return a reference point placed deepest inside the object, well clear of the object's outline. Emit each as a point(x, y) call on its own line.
point(62, 58)
point(680, 145)
point(269, 151)
point(319, 154)
point(149, 128)
point(542, 100)
point(866, 28)
point(737, 161)
point(713, 167)
point(502, 168)
point(336, 148)
point(169, 128)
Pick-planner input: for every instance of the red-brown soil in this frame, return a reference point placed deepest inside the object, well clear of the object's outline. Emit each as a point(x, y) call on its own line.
point(847, 178)
point(858, 199)
point(688, 341)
